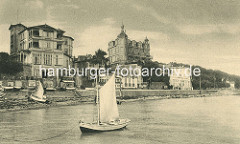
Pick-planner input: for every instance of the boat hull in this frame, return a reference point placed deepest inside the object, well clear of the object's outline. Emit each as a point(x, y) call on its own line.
point(18, 88)
point(37, 99)
point(103, 127)
point(8, 88)
point(50, 89)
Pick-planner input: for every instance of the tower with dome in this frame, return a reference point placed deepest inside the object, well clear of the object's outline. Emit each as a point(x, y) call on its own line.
point(122, 50)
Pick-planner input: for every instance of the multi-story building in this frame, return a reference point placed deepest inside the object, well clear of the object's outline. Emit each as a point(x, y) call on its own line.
point(83, 65)
point(125, 77)
point(180, 79)
point(124, 50)
point(231, 84)
point(131, 81)
point(40, 45)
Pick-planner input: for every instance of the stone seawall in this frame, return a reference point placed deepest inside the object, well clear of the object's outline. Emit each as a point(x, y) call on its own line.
point(162, 92)
point(136, 93)
point(17, 100)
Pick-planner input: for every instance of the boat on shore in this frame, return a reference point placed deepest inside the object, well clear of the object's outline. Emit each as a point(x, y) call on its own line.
point(18, 85)
point(108, 115)
point(31, 84)
point(38, 94)
point(9, 86)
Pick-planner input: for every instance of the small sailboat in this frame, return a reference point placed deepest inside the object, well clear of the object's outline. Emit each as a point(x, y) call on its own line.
point(38, 94)
point(108, 116)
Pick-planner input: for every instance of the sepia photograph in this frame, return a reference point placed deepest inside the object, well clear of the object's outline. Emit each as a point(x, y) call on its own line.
point(119, 71)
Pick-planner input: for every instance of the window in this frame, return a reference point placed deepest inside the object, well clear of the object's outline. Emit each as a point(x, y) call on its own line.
point(59, 46)
point(35, 62)
point(56, 59)
point(66, 51)
point(47, 59)
point(23, 45)
point(67, 63)
point(48, 34)
point(36, 44)
point(125, 81)
point(37, 58)
point(59, 35)
point(31, 34)
point(48, 44)
point(35, 32)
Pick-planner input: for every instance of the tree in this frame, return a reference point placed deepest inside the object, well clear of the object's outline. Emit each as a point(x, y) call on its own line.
point(99, 58)
point(237, 83)
point(8, 65)
point(154, 78)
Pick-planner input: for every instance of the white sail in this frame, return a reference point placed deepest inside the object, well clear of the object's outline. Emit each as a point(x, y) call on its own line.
point(107, 101)
point(39, 92)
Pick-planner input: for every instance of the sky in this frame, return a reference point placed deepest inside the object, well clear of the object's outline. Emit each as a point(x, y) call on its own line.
point(195, 32)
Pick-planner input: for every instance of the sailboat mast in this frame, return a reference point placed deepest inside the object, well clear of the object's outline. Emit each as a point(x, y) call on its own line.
point(120, 87)
point(97, 100)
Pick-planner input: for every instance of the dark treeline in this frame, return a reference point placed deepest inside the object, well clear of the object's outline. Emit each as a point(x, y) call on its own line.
point(208, 79)
point(8, 65)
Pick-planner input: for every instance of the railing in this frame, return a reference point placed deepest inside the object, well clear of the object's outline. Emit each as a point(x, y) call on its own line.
point(44, 38)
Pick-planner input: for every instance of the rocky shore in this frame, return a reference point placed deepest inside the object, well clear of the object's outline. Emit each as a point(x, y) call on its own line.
point(17, 100)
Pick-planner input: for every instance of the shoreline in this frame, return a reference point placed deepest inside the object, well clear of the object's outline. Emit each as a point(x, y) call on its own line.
point(16, 101)
point(61, 98)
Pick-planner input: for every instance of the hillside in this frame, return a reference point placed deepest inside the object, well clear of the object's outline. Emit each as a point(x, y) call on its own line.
point(209, 78)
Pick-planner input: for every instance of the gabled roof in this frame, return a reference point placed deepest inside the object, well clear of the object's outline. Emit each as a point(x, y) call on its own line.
point(68, 37)
point(44, 27)
point(47, 27)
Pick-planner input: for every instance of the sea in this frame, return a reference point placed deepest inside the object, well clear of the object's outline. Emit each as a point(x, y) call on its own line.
point(201, 120)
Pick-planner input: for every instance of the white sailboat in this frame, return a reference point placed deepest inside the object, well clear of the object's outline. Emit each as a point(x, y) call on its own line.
point(38, 95)
point(108, 116)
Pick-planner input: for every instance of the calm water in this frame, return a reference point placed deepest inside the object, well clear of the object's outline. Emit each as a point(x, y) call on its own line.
point(210, 120)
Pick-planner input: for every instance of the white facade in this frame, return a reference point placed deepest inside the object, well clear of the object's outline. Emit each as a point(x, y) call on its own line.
point(128, 81)
point(44, 46)
point(179, 79)
point(232, 84)
point(134, 80)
